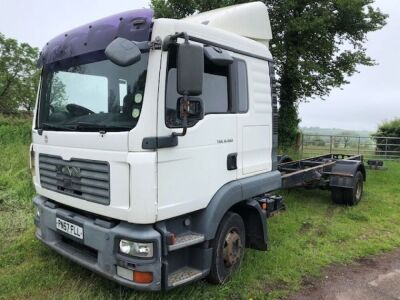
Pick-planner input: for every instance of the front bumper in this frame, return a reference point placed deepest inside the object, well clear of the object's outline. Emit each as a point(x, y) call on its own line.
point(99, 249)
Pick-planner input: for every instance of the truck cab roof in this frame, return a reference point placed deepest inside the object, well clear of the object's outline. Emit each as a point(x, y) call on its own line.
point(229, 27)
point(95, 36)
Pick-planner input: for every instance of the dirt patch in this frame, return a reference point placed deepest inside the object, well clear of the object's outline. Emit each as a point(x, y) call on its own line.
point(375, 277)
point(278, 285)
point(330, 211)
point(305, 227)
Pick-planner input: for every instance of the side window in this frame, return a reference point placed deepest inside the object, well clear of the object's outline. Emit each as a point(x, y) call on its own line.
point(243, 92)
point(225, 89)
point(215, 94)
point(239, 86)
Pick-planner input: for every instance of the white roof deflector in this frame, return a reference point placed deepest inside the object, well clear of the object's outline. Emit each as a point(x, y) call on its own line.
point(249, 20)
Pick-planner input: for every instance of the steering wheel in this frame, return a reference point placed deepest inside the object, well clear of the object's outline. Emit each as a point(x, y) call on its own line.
point(78, 110)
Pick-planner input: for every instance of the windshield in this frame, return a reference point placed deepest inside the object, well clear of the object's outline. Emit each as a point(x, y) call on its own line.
point(90, 93)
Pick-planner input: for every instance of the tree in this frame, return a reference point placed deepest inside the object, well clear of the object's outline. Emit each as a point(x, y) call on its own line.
point(18, 75)
point(389, 129)
point(387, 138)
point(58, 97)
point(316, 45)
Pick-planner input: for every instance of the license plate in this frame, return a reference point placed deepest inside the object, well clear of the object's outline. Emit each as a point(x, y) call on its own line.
point(69, 228)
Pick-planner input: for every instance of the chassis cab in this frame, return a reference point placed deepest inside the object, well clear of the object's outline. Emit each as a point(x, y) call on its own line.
point(154, 145)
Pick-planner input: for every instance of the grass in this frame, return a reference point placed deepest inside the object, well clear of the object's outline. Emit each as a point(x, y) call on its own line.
point(311, 234)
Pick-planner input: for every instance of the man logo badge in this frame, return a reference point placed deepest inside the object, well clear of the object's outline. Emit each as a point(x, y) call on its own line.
point(69, 171)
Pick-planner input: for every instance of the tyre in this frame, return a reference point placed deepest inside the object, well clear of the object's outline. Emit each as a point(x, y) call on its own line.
point(349, 196)
point(337, 195)
point(228, 248)
point(353, 196)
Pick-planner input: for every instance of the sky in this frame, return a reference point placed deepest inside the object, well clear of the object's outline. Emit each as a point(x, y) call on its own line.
point(372, 96)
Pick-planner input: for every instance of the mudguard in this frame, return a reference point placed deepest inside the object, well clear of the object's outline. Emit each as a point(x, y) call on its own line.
point(348, 168)
point(235, 196)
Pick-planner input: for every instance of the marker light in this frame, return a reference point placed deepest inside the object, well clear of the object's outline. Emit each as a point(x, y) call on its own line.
point(136, 113)
point(142, 277)
point(136, 248)
point(138, 98)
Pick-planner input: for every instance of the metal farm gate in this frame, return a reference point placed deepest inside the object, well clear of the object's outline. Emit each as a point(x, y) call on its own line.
point(384, 148)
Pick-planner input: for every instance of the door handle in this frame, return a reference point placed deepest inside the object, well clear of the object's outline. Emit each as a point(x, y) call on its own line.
point(231, 161)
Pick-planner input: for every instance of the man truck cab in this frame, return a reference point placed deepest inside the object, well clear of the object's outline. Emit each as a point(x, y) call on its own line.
point(154, 144)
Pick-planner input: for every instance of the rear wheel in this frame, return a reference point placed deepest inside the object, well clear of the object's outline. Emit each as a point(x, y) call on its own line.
point(353, 196)
point(349, 196)
point(228, 248)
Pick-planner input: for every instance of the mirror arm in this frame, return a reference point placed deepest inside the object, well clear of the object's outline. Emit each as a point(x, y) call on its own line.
point(183, 133)
point(172, 39)
point(183, 35)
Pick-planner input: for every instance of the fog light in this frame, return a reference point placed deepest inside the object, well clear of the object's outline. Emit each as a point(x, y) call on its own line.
point(125, 273)
point(136, 248)
point(135, 276)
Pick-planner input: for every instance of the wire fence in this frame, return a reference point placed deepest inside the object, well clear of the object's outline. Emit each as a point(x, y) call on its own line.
point(385, 148)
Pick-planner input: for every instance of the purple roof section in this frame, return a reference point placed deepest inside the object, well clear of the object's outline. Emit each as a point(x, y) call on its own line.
point(134, 25)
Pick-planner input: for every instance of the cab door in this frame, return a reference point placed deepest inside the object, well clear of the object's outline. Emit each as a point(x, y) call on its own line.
point(190, 173)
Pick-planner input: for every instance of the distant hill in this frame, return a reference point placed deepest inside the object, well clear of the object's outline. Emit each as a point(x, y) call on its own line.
point(334, 131)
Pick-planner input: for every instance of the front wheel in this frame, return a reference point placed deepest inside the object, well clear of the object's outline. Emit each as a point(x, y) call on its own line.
point(228, 248)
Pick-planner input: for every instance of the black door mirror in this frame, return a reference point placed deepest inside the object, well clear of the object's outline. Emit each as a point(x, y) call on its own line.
point(191, 109)
point(123, 52)
point(190, 69)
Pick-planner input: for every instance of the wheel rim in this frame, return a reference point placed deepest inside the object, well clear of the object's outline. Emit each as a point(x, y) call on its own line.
point(232, 248)
point(358, 190)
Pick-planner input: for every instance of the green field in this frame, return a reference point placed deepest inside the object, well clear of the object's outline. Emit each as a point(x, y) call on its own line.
point(311, 234)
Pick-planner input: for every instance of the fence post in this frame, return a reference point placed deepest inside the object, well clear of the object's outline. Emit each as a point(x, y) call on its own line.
point(359, 142)
point(302, 145)
point(386, 149)
point(330, 146)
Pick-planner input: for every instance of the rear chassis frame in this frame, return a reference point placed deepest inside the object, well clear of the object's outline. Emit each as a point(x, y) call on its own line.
point(322, 171)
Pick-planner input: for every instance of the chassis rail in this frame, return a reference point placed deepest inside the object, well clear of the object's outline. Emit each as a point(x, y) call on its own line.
point(315, 171)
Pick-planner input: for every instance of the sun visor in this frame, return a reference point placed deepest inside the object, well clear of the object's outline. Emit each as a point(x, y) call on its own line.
point(133, 25)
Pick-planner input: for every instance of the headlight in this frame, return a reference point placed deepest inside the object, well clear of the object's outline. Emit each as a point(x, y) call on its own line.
point(37, 212)
point(136, 248)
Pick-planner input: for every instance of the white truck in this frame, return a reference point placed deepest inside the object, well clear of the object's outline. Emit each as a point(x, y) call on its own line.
point(155, 146)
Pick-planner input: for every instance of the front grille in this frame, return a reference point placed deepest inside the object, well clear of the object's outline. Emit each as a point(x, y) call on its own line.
point(84, 179)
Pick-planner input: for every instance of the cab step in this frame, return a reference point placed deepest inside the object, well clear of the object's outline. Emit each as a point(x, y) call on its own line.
point(183, 275)
point(187, 239)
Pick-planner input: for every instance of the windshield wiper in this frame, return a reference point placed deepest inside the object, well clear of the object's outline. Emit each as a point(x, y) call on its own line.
point(56, 127)
point(84, 125)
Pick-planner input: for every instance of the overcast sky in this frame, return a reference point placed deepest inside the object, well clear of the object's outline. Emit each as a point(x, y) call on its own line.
point(372, 96)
